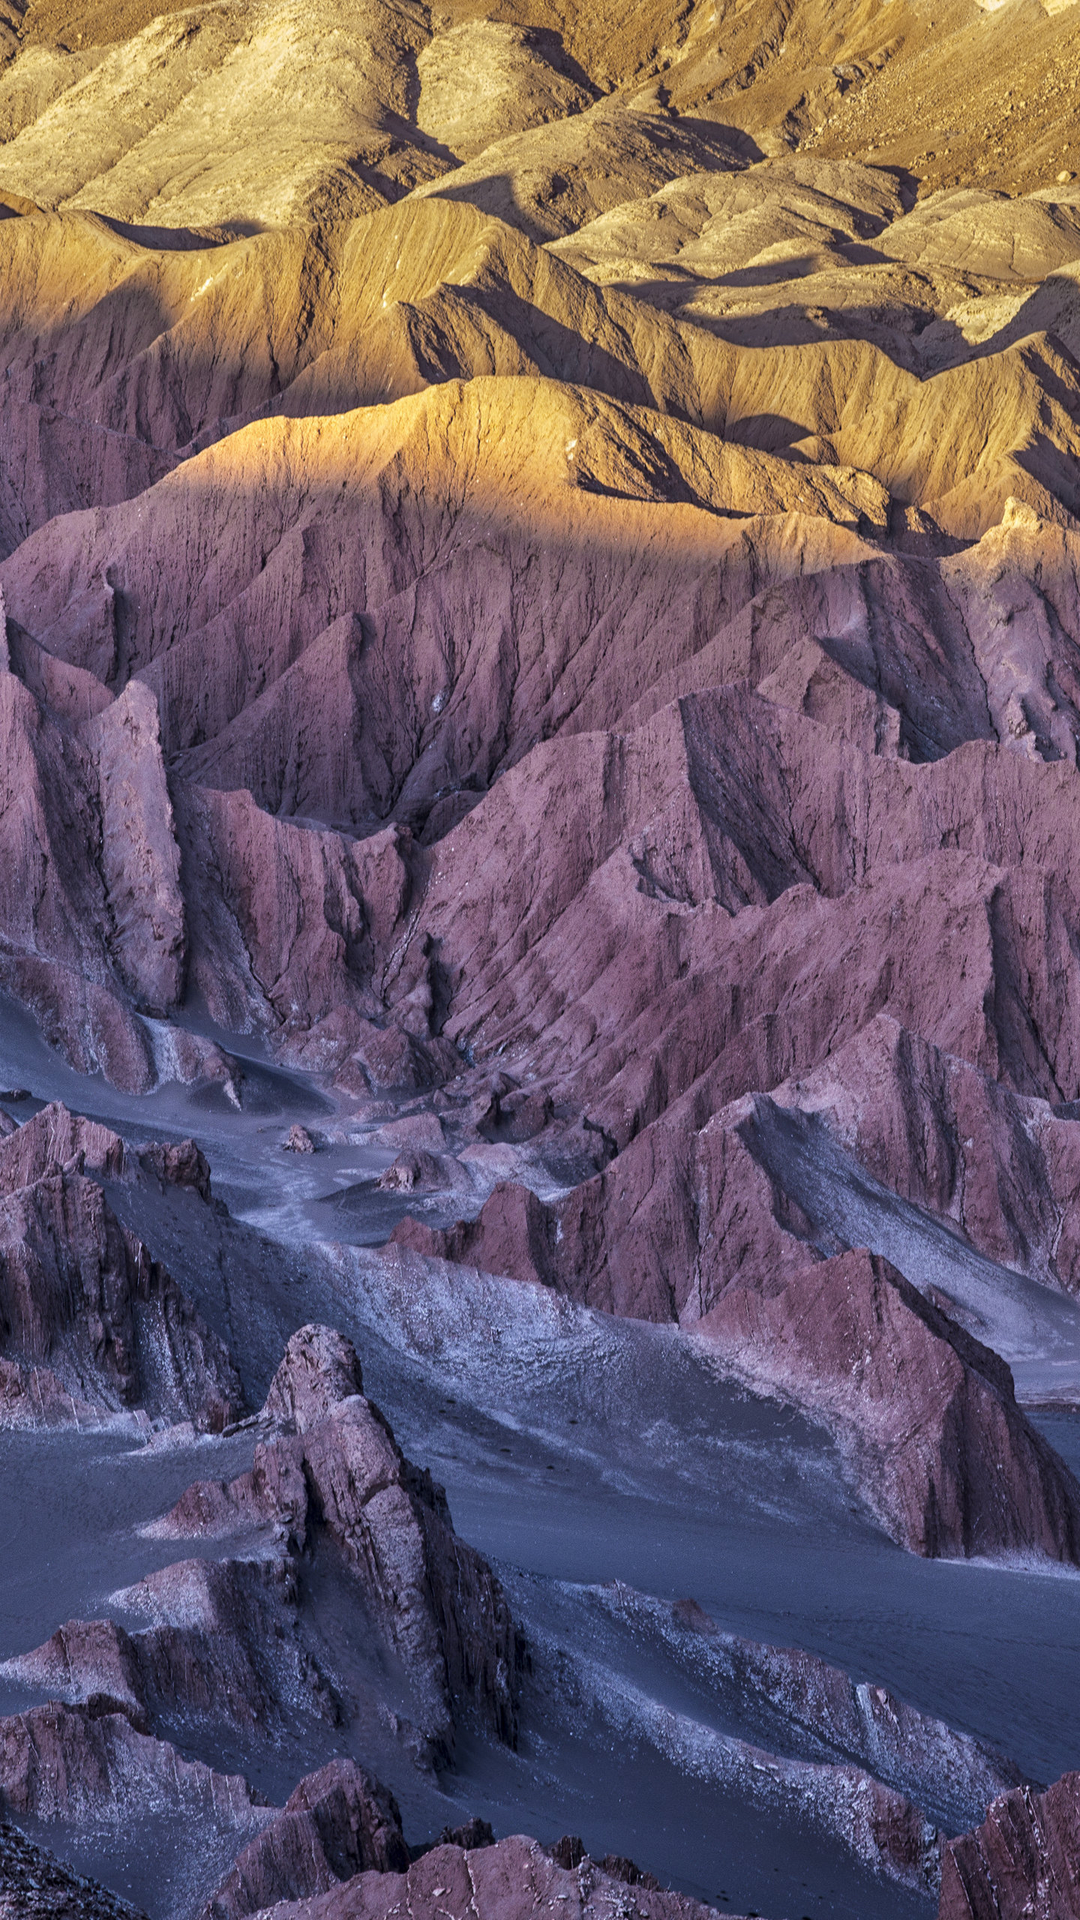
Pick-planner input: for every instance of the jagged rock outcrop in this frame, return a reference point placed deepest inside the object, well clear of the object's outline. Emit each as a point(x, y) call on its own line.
point(223, 1648)
point(140, 856)
point(1024, 1859)
point(88, 1661)
point(89, 1765)
point(940, 1449)
point(336, 1475)
point(85, 1312)
point(926, 1415)
point(540, 579)
point(514, 1877)
point(320, 1371)
point(85, 1763)
point(693, 596)
point(92, 921)
point(1000, 1168)
point(339, 1822)
point(58, 1141)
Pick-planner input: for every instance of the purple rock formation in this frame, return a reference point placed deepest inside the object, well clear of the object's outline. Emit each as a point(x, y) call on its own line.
point(1023, 1863)
point(336, 1473)
point(223, 1650)
point(89, 1319)
point(926, 1416)
point(339, 1822)
point(513, 1878)
point(81, 1295)
point(76, 1763)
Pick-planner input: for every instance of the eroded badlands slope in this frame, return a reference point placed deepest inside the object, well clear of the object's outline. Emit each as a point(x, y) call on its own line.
point(540, 672)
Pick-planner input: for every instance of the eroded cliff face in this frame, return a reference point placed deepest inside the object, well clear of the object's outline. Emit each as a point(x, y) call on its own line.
point(226, 1641)
point(540, 672)
point(338, 1823)
point(333, 1476)
point(514, 1876)
point(92, 1326)
point(1023, 1859)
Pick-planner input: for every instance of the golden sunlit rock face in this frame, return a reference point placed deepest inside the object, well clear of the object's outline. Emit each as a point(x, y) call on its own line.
point(539, 881)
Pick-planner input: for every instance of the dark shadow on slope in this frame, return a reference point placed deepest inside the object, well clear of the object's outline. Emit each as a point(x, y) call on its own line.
point(733, 139)
point(497, 195)
point(770, 273)
point(768, 432)
point(179, 239)
point(557, 351)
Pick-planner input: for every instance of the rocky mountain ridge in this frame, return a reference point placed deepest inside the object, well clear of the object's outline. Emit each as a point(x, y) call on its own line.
point(539, 701)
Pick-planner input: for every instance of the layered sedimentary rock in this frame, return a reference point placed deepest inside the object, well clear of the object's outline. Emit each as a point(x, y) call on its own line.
point(1022, 1860)
point(514, 1876)
point(337, 1475)
point(83, 1297)
point(337, 1824)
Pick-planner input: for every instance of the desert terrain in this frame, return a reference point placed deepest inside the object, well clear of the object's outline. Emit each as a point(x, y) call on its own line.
point(540, 959)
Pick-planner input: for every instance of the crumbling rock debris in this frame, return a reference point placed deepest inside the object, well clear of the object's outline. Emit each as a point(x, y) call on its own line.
point(34, 1886)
